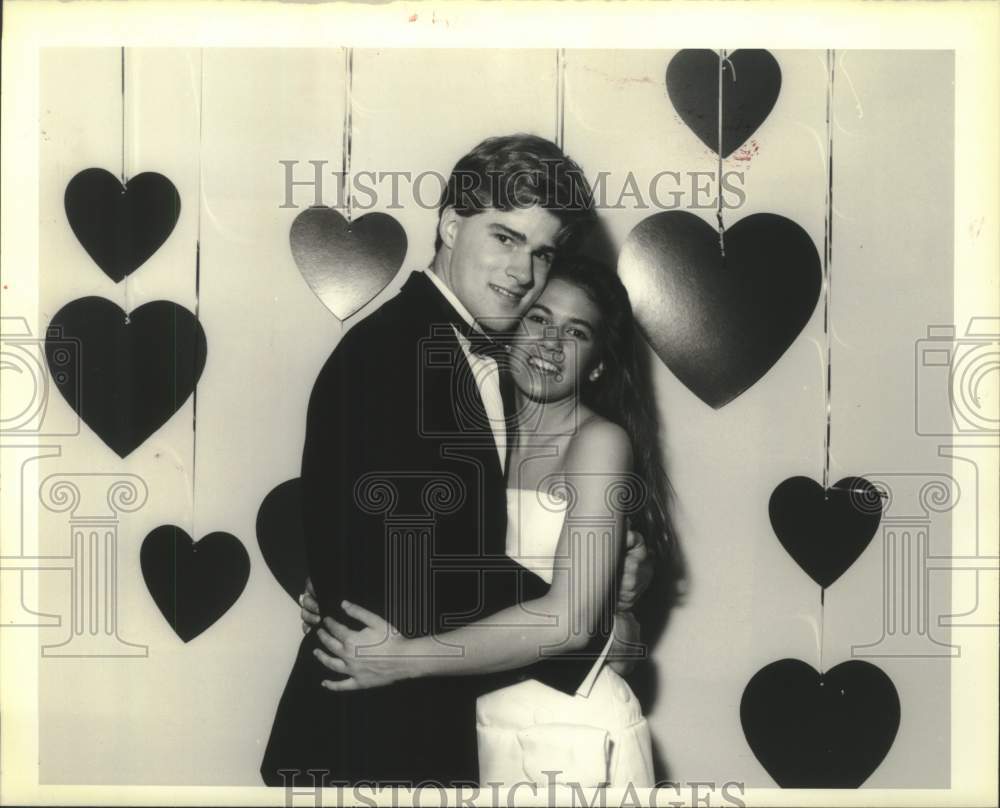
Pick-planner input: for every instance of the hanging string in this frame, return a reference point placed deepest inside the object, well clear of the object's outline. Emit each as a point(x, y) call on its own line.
point(197, 291)
point(827, 265)
point(723, 60)
point(124, 180)
point(561, 98)
point(822, 615)
point(348, 130)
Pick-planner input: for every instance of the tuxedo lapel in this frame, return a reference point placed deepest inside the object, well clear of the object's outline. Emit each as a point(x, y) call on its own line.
point(451, 396)
point(509, 403)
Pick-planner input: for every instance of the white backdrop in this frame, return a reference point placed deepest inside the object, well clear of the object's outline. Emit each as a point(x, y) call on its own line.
point(216, 122)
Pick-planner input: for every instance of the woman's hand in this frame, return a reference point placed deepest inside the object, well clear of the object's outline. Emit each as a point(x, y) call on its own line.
point(375, 656)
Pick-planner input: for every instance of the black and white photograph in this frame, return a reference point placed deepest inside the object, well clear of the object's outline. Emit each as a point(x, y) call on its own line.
point(500, 404)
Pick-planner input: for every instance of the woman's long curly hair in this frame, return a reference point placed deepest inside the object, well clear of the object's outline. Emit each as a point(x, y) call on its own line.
point(623, 393)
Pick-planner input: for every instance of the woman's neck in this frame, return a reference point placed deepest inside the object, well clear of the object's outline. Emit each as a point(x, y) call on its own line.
point(552, 418)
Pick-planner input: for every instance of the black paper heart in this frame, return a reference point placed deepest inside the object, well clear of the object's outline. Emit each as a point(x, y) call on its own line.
point(281, 536)
point(121, 227)
point(812, 730)
point(130, 378)
point(751, 81)
point(720, 323)
point(346, 264)
point(825, 534)
point(193, 584)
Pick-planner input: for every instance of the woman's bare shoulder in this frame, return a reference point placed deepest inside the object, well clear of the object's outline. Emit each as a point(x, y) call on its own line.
point(600, 442)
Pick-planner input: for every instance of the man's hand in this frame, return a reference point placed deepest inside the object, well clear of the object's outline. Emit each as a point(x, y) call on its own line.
point(310, 608)
point(637, 572)
point(626, 649)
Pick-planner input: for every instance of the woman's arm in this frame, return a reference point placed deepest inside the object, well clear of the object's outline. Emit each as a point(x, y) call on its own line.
point(564, 619)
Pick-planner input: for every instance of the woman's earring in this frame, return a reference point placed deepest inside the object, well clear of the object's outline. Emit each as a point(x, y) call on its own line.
point(595, 374)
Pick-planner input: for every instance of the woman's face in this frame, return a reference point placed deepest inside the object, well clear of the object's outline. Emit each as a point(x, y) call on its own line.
point(557, 347)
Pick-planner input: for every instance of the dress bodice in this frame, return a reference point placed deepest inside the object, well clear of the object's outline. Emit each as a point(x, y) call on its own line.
point(534, 523)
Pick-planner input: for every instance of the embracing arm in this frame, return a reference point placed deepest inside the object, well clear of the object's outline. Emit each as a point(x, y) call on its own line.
point(563, 620)
point(626, 647)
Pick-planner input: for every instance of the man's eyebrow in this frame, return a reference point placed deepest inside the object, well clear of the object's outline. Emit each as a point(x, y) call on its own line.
point(520, 238)
point(514, 234)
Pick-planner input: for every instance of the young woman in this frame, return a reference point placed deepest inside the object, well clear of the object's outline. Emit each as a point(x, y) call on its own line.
point(586, 457)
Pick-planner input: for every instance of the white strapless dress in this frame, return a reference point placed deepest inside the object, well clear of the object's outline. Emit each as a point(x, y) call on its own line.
point(596, 737)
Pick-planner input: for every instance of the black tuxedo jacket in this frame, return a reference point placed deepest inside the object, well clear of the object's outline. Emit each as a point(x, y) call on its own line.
point(404, 505)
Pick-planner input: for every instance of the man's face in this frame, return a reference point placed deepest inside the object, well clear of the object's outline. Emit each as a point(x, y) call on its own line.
point(498, 261)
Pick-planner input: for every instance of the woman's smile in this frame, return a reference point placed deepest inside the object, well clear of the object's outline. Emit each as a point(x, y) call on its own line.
point(543, 365)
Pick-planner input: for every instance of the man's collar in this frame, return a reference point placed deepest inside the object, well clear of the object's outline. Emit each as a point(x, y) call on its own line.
point(452, 298)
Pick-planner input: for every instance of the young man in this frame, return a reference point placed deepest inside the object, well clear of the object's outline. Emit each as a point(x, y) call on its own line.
point(404, 493)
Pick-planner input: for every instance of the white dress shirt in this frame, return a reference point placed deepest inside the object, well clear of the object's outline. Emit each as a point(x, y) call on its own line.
point(484, 370)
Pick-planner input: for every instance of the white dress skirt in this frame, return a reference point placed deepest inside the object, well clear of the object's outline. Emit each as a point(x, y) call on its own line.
point(529, 730)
